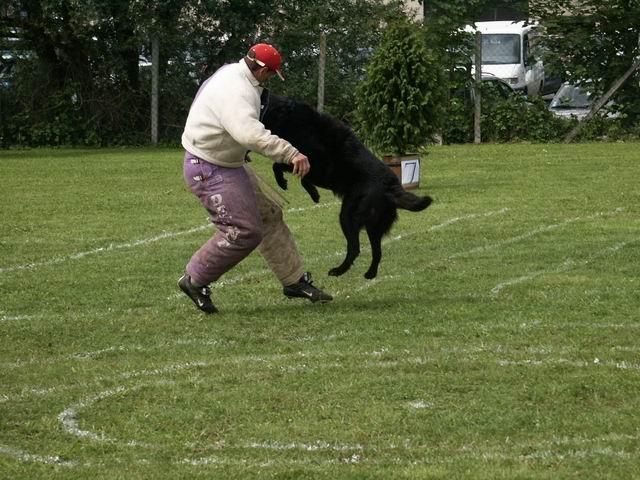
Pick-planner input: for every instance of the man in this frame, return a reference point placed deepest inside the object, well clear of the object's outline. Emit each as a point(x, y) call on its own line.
point(222, 125)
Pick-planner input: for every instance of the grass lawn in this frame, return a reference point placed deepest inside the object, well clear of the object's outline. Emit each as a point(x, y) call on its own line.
point(500, 339)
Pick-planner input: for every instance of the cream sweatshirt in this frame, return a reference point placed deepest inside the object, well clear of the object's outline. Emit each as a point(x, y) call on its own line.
point(223, 122)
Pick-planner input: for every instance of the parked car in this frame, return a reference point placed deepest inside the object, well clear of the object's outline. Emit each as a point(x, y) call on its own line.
point(492, 86)
point(571, 101)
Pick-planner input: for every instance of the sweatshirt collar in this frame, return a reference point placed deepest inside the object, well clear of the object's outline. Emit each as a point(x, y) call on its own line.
point(249, 74)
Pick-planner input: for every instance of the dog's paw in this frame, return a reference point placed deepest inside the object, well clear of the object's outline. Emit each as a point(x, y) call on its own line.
point(316, 197)
point(370, 274)
point(336, 272)
point(282, 183)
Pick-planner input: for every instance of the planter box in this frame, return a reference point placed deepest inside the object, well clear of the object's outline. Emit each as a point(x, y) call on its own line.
point(406, 167)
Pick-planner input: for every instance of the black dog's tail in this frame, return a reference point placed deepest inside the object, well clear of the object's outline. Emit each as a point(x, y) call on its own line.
point(408, 200)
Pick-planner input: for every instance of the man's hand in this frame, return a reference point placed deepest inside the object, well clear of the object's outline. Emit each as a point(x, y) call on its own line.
point(300, 165)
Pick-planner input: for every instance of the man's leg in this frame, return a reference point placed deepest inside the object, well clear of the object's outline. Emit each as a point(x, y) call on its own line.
point(278, 246)
point(228, 195)
point(279, 249)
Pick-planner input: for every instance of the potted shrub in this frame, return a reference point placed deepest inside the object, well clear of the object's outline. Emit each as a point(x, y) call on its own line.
point(400, 101)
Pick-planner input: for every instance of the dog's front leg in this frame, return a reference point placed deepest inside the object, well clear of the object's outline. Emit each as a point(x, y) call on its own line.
point(311, 189)
point(278, 173)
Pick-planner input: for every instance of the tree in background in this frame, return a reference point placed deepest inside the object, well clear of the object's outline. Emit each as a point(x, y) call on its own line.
point(85, 83)
point(401, 100)
point(594, 43)
point(353, 30)
point(76, 76)
point(444, 33)
point(80, 83)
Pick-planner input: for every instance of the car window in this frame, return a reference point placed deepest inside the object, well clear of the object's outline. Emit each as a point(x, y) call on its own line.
point(570, 96)
point(525, 51)
point(505, 90)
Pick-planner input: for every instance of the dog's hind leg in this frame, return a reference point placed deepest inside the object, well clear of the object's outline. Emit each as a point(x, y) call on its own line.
point(351, 230)
point(375, 239)
point(379, 222)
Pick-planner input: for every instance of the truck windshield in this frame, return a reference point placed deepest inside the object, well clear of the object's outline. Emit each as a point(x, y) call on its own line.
point(500, 48)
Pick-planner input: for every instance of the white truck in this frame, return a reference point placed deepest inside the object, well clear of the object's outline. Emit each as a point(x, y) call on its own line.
point(506, 54)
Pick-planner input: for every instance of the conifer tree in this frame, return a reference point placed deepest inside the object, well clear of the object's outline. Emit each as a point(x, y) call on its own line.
point(400, 102)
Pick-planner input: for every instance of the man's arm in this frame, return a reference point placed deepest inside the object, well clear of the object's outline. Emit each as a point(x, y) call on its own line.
point(240, 120)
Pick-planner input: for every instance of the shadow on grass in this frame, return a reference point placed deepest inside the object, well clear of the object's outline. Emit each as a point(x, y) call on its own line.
point(301, 308)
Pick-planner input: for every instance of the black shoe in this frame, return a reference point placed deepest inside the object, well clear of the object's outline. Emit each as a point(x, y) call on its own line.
point(304, 289)
point(201, 296)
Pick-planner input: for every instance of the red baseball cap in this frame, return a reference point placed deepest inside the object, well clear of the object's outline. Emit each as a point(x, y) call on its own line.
point(266, 55)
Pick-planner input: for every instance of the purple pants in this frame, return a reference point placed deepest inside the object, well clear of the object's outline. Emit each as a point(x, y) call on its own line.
point(244, 218)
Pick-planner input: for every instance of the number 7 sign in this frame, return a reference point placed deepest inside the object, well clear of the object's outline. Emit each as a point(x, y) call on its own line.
point(410, 172)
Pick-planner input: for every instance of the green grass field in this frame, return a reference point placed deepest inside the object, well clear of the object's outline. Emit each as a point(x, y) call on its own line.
point(500, 339)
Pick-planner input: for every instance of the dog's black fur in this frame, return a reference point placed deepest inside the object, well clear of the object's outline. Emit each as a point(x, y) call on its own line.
point(371, 192)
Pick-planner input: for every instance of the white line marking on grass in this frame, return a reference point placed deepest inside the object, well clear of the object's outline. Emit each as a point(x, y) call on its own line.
point(316, 446)
point(556, 441)
point(69, 418)
point(550, 454)
point(558, 325)
point(467, 452)
point(446, 223)
point(626, 349)
point(258, 273)
point(27, 392)
point(161, 371)
point(110, 248)
point(136, 243)
point(568, 264)
point(593, 452)
point(235, 279)
point(31, 458)
point(313, 207)
point(16, 318)
point(486, 248)
point(468, 217)
point(410, 462)
point(532, 233)
point(596, 363)
point(85, 355)
point(31, 391)
point(433, 228)
point(80, 356)
point(217, 461)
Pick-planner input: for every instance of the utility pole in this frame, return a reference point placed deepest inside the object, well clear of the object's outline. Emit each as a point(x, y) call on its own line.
point(155, 81)
point(426, 9)
point(477, 101)
point(321, 69)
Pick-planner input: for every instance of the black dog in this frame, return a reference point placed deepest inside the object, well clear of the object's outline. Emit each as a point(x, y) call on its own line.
point(371, 192)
